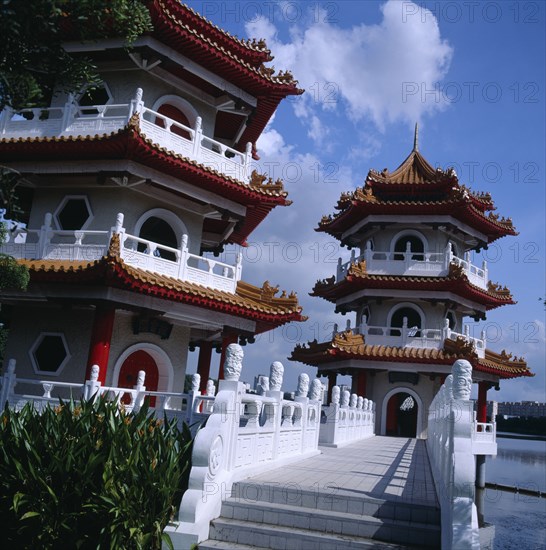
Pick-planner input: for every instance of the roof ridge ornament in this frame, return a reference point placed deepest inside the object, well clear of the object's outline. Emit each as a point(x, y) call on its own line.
point(416, 137)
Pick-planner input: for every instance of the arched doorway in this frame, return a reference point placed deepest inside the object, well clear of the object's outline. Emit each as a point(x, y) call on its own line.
point(416, 246)
point(402, 410)
point(177, 115)
point(128, 373)
point(158, 231)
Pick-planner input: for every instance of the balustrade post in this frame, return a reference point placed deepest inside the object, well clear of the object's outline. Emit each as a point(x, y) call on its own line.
point(92, 386)
point(335, 331)
point(446, 331)
point(348, 325)
point(198, 136)
point(407, 254)
point(45, 235)
point(68, 112)
point(364, 325)
point(484, 268)
point(247, 160)
point(448, 255)
point(404, 330)
point(140, 388)
point(136, 105)
point(5, 117)
point(183, 265)
point(238, 267)
point(8, 383)
point(368, 253)
point(353, 256)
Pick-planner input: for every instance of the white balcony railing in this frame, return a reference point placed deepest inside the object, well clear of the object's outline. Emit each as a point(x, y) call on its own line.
point(191, 407)
point(84, 245)
point(431, 264)
point(75, 120)
point(413, 337)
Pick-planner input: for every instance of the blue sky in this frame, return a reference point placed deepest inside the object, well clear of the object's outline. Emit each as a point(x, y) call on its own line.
point(472, 75)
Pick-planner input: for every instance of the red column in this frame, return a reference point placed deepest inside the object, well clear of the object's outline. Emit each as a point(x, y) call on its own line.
point(332, 379)
point(482, 401)
point(361, 383)
point(101, 336)
point(203, 364)
point(228, 339)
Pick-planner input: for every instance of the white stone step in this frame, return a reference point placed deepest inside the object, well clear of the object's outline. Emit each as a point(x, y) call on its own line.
point(362, 505)
point(288, 538)
point(223, 545)
point(337, 523)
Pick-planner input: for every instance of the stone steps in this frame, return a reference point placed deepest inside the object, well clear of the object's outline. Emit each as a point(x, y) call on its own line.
point(233, 532)
point(363, 505)
point(290, 518)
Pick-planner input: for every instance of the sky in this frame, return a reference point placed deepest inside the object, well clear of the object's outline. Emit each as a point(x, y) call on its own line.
point(472, 74)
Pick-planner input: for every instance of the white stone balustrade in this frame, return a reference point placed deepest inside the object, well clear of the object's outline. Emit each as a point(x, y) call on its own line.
point(185, 407)
point(245, 435)
point(413, 337)
point(452, 442)
point(73, 120)
point(342, 424)
point(431, 264)
point(52, 244)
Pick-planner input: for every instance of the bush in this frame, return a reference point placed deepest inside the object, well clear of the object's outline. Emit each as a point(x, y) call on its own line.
point(89, 476)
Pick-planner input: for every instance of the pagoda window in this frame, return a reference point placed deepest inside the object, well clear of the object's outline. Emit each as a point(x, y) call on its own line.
point(49, 353)
point(416, 246)
point(94, 95)
point(176, 109)
point(73, 213)
point(414, 320)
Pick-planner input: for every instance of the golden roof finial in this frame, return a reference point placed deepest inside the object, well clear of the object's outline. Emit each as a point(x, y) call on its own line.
point(416, 137)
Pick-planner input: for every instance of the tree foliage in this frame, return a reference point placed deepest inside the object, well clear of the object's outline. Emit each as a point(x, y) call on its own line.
point(33, 60)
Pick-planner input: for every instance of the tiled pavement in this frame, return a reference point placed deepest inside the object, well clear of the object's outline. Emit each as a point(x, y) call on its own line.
point(390, 468)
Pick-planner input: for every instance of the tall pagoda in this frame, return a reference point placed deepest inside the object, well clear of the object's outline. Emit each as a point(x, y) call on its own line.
point(410, 288)
point(127, 189)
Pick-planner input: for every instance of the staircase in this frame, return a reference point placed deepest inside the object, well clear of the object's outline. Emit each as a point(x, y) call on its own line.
point(288, 517)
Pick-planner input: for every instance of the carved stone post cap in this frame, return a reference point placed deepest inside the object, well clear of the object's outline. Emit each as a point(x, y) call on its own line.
point(233, 364)
point(303, 385)
point(462, 379)
point(195, 382)
point(276, 373)
point(316, 389)
point(95, 369)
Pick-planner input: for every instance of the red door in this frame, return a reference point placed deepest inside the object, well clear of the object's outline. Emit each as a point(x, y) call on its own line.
point(128, 374)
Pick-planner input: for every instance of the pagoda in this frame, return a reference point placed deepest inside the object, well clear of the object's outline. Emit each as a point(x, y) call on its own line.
point(410, 288)
point(128, 187)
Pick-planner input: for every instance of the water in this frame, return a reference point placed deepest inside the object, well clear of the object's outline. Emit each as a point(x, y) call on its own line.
point(519, 519)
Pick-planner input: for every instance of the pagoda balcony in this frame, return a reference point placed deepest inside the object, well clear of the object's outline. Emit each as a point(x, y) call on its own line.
point(413, 337)
point(427, 264)
point(73, 120)
point(47, 243)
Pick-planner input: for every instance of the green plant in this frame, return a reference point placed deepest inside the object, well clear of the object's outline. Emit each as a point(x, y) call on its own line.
point(89, 475)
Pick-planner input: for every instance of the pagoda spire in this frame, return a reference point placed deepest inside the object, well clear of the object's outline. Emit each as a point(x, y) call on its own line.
point(416, 137)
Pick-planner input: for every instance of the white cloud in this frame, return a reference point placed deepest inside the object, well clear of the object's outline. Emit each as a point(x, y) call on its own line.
point(364, 70)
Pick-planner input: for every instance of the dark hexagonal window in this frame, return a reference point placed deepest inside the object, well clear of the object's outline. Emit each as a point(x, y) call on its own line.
point(97, 95)
point(49, 353)
point(74, 213)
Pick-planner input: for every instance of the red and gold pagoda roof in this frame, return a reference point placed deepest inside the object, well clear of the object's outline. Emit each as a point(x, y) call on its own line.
point(346, 346)
point(234, 60)
point(250, 302)
point(416, 188)
point(357, 278)
point(259, 196)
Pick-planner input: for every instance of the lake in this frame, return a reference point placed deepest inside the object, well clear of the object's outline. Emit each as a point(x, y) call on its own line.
point(519, 519)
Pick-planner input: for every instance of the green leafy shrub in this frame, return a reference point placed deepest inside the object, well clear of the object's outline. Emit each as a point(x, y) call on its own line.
point(89, 476)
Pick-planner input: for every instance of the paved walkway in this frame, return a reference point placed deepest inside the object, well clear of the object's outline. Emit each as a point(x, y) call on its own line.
point(389, 468)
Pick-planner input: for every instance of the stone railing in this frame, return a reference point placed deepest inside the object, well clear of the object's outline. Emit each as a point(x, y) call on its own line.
point(75, 120)
point(453, 440)
point(414, 263)
point(412, 337)
point(347, 419)
point(245, 435)
point(52, 244)
point(191, 407)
